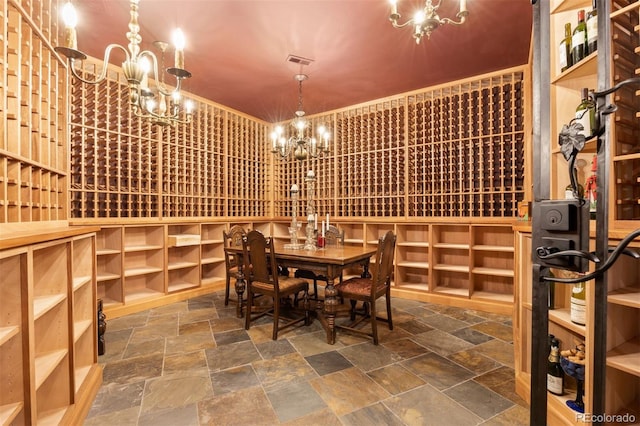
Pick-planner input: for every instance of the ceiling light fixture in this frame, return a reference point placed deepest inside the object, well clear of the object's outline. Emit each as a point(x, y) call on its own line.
point(301, 145)
point(160, 105)
point(426, 20)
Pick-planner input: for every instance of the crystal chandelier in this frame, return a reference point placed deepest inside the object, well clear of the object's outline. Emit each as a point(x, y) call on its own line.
point(301, 145)
point(159, 104)
point(426, 20)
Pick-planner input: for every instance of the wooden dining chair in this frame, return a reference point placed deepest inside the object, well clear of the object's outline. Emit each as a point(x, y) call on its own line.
point(333, 237)
point(259, 262)
point(231, 238)
point(369, 290)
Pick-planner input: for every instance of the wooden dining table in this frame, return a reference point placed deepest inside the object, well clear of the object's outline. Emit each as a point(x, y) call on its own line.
point(327, 261)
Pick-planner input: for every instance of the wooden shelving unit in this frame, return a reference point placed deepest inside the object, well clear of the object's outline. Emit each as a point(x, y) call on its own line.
point(33, 106)
point(468, 264)
point(622, 379)
point(623, 333)
point(152, 263)
point(48, 333)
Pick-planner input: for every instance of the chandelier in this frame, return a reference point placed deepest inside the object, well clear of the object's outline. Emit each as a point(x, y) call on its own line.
point(426, 20)
point(158, 104)
point(301, 145)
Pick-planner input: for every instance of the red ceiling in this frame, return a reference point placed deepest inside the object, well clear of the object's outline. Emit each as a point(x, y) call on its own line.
point(237, 49)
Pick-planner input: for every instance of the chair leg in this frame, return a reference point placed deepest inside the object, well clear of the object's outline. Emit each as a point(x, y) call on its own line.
point(353, 309)
point(226, 292)
point(389, 311)
point(315, 289)
point(374, 323)
point(247, 321)
point(276, 317)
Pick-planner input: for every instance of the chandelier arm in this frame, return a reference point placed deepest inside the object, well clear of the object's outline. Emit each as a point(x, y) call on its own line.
point(451, 21)
point(105, 65)
point(396, 25)
point(160, 119)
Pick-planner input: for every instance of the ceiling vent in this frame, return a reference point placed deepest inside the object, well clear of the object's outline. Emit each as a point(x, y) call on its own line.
point(298, 60)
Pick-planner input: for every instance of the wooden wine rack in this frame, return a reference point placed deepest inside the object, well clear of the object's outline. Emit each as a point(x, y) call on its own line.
point(123, 166)
point(455, 150)
point(33, 112)
point(626, 122)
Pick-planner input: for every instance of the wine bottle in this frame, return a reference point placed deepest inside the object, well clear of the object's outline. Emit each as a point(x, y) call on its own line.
point(579, 45)
point(586, 114)
point(555, 374)
point(551, 293)
point(591, 187)
point(568, 190)
point(564, 58)
point(578, 312)
point(592, 31)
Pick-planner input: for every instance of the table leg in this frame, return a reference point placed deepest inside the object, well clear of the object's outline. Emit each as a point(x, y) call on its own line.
point(365, 269)
point(241, 285)
point(329, 310)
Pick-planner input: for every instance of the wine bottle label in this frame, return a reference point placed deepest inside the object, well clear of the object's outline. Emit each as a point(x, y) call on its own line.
point(592, 29)
point(578, 311)
point(554, 384)
point(578, 38)
point(562, 57)
point(583, 117)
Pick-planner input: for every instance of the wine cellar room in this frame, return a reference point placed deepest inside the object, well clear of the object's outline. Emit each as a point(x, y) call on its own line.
point(498, 140)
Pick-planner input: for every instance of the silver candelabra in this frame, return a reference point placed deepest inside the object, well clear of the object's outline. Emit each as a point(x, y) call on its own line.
point(312, 218)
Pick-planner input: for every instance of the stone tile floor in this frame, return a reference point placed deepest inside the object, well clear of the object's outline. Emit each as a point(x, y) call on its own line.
point(193, 363)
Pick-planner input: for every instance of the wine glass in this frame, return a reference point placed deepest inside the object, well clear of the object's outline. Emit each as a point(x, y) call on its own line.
point(576, 371)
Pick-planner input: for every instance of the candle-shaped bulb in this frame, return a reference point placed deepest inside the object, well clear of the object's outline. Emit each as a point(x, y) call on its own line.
point(310, 174)
point(70, 18)
point(145, 66)
point(394, 7)
point(188, 106)
point(463, 7)
point(294, 188)
point(178, 43)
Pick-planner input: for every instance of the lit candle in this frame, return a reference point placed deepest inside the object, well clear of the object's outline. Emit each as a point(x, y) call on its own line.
point(394, 7)
point(146, 67)
point(70, 18)
point(178, 42)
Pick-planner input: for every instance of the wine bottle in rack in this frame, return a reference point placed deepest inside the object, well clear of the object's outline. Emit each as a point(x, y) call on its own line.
point(592, 31)
point(578, 311)
point(579, 44)
point(586, 114)
point(565, 59)
point(555, 374)
point(590, 188)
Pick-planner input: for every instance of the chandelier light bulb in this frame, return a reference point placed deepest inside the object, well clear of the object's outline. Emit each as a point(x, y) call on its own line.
point(70, 19)
point(179, 42)
point(188, 106)
point(69, 15)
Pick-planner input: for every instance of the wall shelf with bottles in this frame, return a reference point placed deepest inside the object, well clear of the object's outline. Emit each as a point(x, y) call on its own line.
point(48, 329)
point(623, 331)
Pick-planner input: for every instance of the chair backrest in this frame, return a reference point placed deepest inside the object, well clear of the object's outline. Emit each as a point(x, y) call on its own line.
point(232, 238)
point(259, 258)
point(334, 236)
point(383, 268)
